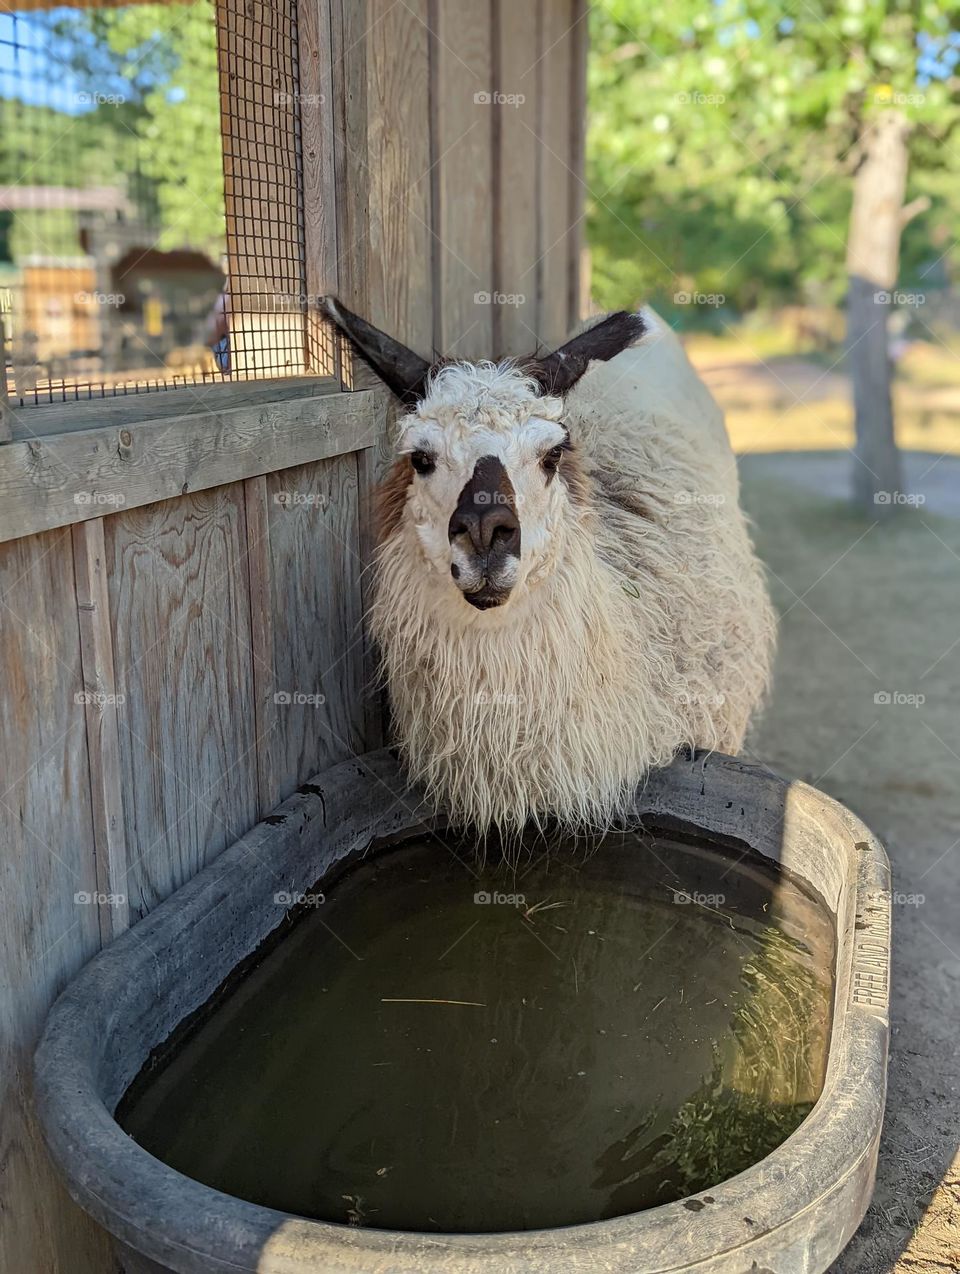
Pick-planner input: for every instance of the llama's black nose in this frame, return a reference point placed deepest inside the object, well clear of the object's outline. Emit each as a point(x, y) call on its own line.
point(485, 516)
point(491, 530)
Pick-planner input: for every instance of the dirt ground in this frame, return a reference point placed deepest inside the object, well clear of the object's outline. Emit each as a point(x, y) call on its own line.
point(868, 609)
point(871, 608)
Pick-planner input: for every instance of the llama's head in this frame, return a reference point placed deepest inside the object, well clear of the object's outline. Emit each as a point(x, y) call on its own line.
point(486, 472)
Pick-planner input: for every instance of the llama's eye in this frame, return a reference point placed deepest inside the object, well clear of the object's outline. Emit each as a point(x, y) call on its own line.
point(552, 458)
point(423, 462)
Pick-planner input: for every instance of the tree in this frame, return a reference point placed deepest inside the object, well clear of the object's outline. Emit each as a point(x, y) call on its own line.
point(729, 139)
point(148, 74)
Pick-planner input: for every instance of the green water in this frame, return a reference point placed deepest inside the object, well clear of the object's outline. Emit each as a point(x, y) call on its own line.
point(408, 1057)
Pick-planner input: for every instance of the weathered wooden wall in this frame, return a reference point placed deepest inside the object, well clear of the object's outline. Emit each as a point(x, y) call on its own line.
point(180, 577)
point(474, 171)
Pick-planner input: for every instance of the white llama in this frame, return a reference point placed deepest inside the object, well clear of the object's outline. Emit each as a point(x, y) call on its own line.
point(565, 589)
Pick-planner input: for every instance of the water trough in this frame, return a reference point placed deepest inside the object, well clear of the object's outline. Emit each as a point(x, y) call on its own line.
point(790, 1213)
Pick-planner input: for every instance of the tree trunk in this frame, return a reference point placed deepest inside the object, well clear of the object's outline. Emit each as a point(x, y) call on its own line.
point(873, 261)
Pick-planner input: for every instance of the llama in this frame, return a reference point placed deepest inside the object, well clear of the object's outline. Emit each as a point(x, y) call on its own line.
point(565, 591)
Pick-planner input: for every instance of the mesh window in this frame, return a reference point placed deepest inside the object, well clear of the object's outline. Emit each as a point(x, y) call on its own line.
point(151, 222)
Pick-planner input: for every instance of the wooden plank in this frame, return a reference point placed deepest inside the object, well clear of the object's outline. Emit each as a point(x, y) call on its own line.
point(516, 209)
point(349, 29)
point(60, 480)
point(400, 286)
point(318, 636)
point(578, 298)
point(47, 881)
point(260, 570)
point(372, 698)
point(130, 410)
point(555, 163)
point(179, 602)
point(103, 740)
point(318, 182)
point(462, 114)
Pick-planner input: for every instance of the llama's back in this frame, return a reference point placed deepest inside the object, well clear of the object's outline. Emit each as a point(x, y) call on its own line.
point(653, 380)
point(672, 529)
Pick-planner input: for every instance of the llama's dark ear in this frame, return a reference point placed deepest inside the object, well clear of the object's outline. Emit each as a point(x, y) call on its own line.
point(403, 370)
point(559, 372)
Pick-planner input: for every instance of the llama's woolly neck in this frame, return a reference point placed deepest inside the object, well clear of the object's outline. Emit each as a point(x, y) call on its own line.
point(553, 707)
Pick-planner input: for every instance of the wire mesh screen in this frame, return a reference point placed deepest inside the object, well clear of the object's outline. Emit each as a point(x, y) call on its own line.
point(151, 222)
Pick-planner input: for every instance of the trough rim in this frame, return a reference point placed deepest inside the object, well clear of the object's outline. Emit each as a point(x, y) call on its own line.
point(193, 1228)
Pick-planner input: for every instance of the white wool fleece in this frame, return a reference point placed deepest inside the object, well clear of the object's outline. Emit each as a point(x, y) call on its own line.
point(640, 621)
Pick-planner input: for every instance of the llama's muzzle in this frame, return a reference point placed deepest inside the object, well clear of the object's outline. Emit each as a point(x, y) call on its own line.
point(484, 536)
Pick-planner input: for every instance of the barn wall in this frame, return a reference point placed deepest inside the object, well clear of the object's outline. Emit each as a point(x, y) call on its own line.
point(181, 587)
point(474, 172)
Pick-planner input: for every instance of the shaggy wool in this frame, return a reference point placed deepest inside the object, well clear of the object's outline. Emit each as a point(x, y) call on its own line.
point(642, 627)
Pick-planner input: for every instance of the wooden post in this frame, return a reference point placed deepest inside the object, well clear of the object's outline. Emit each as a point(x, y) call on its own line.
point(873, 261)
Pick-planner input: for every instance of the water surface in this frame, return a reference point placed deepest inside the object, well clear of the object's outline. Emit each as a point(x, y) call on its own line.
point(430, 1049)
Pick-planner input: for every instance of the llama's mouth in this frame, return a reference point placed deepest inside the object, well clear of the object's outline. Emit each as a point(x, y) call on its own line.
point(485, 597)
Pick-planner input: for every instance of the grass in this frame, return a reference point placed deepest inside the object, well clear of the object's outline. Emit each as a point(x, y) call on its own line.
point(778, 400)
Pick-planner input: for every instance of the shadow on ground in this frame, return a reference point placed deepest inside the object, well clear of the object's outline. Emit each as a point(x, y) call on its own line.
point(866, 706)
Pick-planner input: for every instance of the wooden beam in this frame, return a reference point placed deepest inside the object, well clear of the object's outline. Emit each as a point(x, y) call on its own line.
point(349, 30)
point(577, 301)
point(518, 68)
point(133, 409)
point(57, 481)
point(557, 240)
point(462, 111)
point(103, 740)
point(398, 85)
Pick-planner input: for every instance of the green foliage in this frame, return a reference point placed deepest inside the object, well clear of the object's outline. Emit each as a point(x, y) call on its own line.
point(150, 125)
point(723, 137)
point(172, 65)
